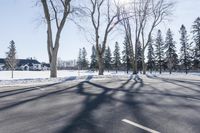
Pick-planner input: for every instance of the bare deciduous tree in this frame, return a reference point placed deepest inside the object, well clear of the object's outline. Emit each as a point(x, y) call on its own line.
point(158, 11)
point(104, 16)
point(126, 23)
point(146, 16)
point(57, 11)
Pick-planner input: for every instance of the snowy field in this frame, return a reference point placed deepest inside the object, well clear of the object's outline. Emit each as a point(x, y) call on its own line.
point(42, 77)
point(6, 75)
point(177, 75)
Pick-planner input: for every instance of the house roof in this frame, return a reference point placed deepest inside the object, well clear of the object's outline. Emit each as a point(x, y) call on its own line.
point(45, 64)
point(27, 61)
point(22, 61)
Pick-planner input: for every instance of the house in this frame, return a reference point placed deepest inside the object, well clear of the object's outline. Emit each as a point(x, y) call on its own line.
point(45, 66)
point(2, 64)
point(26, 65)
point(29, 64)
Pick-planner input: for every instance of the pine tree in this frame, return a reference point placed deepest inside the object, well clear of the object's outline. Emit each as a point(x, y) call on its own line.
point(93, 64)
point(11, 60)
point(139, 56)
point(196, 37)
point(126, 59)
point(159, 51)
point(117, 58)
point(84, 59)
point(171, 56)
point(79, 60)
point(150, 56)
point(185, 57)
point(107, 59)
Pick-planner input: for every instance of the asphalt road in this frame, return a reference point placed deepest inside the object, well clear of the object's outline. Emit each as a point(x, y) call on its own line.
point(101, 106)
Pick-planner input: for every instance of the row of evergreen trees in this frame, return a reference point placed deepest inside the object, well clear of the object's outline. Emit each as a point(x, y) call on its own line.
point(165, 56)
point(112, 60)
point(162, 53)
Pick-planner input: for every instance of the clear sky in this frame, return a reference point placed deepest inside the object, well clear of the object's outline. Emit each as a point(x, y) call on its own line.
point(21, 21)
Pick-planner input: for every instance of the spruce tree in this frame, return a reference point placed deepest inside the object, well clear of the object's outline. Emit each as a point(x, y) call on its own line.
point(196, 37)
point(185, 51)
point(159, 50)
point(84, 59)
point(150, 56)
point(93, 63)
point(107, 59)
point(117, 58)
point(11, 60)
point(139, 56)
point(126, 53)
point(171, 56)
point(79, 60)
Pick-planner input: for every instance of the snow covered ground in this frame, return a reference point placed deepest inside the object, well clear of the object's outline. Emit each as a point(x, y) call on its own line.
point(42, 77)
point(177, 75)
point(6, 75)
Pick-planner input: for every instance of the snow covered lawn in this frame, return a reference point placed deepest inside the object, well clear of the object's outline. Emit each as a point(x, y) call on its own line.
point(176, 75)
point(6, 75)
point(42, 77)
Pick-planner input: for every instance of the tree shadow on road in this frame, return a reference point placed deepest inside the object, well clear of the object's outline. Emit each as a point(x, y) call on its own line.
point(84, 121)
point(39, 87)
point(179, 83)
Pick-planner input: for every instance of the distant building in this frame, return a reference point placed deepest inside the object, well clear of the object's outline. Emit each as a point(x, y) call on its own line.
point(71, 63)
point(45, 66)
point(29, 64)
point(66, 65)
point(26, 65)
point(2, 64)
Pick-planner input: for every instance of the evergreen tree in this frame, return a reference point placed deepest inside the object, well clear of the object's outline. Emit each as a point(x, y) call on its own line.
point(93, 64)
point(107, 59)
point(185, 51)
point(171, 56)
point(79, 60)
point(11, 60)
point(84, 59)
point(139, 56)
point(150, 56)
point(196, 37)
point(117, 57)
point(159, 51)
point(126, 59)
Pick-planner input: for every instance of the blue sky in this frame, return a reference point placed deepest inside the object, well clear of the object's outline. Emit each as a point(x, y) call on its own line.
point(21, 22)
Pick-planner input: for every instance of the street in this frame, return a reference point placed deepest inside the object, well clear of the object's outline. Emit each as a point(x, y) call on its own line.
point(134, 105)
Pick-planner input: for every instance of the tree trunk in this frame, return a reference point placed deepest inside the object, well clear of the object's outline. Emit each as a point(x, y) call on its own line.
point(100, 64)
point(12, 73)
point(127, 68)
point(135, 70)
point(53, 65)
point(160, 68)
point(186, 71)
point(143, 63)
